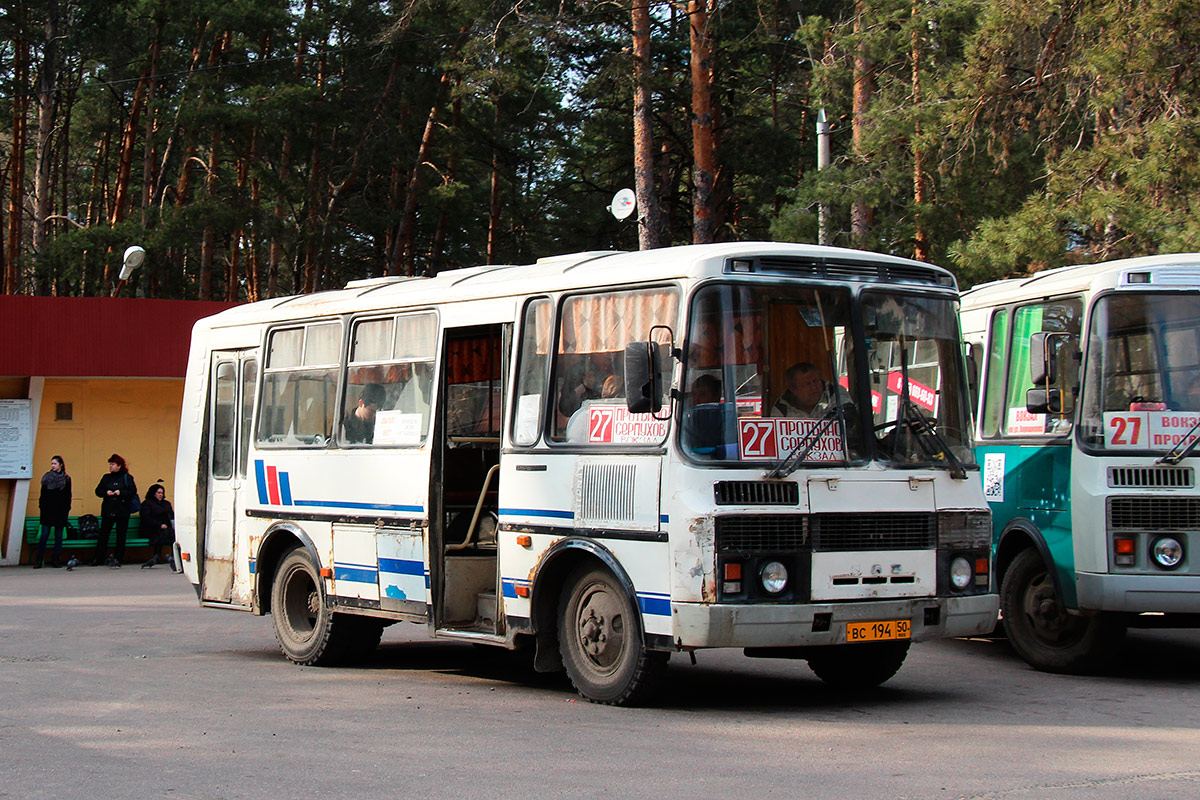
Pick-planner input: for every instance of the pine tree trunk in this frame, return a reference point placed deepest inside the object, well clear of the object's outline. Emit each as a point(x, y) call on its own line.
point(862, 215)
point(493, 236)
point(148, 151)
point(403, 246)
point(47, 108)
point(704, 162)
point(650, 226)
point(922, 248)
point(125, 154)
point(16, 167)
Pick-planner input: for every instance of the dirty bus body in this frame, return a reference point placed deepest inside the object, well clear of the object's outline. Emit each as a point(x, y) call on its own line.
point(586, 456)
point(1089, 403)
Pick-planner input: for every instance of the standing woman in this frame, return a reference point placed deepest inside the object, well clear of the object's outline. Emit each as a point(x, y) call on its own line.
point(55, 505)
point(115, 490)
point(157, 521)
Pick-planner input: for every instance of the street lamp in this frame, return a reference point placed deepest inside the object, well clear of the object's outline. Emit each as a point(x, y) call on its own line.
point(134, 256)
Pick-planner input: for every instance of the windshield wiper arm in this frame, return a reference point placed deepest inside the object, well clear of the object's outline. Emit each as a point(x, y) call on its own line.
point(920, 424)
point(1181, 451)
point(791, 462)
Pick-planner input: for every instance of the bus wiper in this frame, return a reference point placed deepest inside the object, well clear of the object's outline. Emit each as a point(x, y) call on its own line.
point(791, 462)
point(1181, 451)
point(920, 424)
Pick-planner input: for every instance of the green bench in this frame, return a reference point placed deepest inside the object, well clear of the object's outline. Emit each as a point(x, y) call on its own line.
point(73, 541)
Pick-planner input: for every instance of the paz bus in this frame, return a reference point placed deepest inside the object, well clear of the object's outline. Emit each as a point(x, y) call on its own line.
point(1089, 409)
point(580, 457)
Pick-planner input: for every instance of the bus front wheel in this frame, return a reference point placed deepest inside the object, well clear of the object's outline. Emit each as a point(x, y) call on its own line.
point(853, 667)
point(600, 639)
point(304, 624)
point(1039, 627)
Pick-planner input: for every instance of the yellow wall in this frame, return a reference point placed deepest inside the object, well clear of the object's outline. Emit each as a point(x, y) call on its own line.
point(137, 418)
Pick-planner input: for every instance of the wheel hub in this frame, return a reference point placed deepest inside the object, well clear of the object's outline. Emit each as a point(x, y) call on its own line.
point(601, 626)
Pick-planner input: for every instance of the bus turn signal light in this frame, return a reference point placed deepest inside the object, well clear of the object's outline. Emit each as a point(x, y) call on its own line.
point(525, 540)
point(1124, 551)
point(326, 572)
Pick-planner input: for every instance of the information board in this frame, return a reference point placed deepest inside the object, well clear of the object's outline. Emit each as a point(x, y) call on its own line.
point(16, 439)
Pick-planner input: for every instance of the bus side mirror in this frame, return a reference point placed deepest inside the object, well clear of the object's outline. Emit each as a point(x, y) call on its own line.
point(1043, 366)
point(643, 377)
point(1044, 401)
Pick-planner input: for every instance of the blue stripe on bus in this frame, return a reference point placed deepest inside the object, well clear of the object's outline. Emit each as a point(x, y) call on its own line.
point(664, 518)
point(400, 566)
point(360, 506)
point(536, 512)
point(260, 477)
point(655, 605)
point(355, 573)
point(253, 566)
point(285, 489)
point(508, 586)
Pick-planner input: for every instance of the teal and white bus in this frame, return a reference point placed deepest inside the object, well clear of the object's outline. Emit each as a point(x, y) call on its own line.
point(1087, 424)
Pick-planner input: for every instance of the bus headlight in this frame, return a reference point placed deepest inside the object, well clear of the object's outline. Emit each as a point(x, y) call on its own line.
point(774, 577)
point(1167, 552)
point(960, 573)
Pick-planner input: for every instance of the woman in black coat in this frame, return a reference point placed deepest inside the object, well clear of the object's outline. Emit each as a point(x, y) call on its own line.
point(54, 504)
point(157, 521)
point(116, 490)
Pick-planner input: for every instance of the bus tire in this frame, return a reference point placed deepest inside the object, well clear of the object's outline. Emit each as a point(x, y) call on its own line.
point(305, 626)
point(1039, 627)
point(854, 667)
point(600, 638)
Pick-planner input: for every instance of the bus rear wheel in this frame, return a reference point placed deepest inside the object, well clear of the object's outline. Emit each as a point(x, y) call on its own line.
point(600, 639)
point(1039, 627)
point(852, 667)
point(305, 626)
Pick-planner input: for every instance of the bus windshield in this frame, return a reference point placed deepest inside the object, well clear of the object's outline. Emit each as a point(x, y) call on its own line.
point(772, 378)
point(1142, 385)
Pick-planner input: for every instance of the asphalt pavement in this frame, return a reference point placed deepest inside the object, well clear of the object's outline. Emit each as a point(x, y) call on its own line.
point(116, 683)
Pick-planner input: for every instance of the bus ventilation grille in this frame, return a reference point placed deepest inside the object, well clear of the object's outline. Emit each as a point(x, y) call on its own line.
point(1151, 478)
point(756, 493)
point(832, 269)
point(606, 493)
point(1154, 513)
point(761, 533)
point(897, 531)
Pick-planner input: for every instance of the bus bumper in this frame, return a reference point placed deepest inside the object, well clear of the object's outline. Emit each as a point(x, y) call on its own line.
point(715, 625)
point(1169, 594)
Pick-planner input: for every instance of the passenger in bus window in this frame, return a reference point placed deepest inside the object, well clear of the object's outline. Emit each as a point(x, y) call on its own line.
point(577, 425)
point(807, 395)
point(359, 424)
point(704, 425)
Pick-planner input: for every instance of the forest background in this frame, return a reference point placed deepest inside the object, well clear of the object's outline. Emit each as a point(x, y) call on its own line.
point(257, 148)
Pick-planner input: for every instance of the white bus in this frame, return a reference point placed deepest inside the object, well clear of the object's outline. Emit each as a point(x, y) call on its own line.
point(1088, 416)
point(583, 456)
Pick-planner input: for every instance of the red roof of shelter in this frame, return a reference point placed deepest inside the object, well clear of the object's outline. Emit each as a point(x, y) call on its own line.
point(86, 337)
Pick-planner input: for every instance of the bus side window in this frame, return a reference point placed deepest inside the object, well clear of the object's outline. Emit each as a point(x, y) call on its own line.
point(992, 418)
point(389, 381)
point(1056, 317)
point(536, 329)
point(300, 386)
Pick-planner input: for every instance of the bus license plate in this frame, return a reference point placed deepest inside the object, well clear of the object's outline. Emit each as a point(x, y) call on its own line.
point(878, 631)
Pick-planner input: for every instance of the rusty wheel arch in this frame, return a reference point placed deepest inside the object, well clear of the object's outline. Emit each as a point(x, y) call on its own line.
point(549, 576)
point(280, 538)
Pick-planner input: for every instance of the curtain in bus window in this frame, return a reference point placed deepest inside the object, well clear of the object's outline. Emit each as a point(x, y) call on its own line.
point(389, 381)
point(299, 401)
point(589, 365)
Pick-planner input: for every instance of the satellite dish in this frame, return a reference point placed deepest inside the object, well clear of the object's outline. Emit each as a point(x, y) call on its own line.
point(623, 203)
point(134, 256)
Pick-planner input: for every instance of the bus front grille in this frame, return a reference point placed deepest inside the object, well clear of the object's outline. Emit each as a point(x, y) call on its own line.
point(1154, 513)
point(761, 533)
point(890, 531)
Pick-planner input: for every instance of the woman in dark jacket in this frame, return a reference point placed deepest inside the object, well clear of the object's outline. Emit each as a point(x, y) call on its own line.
point(116, 490)
point(55, 505)
point(157, 523)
